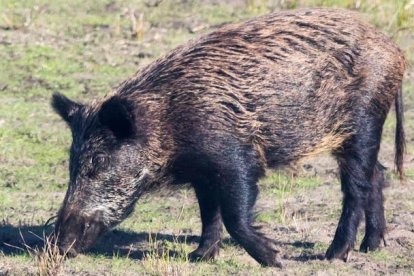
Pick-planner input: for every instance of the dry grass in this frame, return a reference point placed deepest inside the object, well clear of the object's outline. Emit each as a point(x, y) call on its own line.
point(48, 260)
point(166, 258)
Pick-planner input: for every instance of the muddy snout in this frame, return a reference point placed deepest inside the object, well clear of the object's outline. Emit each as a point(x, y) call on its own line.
point(75, 233)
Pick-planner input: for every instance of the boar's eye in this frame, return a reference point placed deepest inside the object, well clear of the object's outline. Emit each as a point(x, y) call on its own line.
point(100, 161)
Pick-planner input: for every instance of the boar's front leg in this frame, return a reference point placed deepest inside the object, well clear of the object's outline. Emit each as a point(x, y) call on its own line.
point(238, 174)
point(211, 220)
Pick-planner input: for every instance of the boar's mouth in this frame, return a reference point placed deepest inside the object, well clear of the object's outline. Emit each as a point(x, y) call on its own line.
point(75, 233)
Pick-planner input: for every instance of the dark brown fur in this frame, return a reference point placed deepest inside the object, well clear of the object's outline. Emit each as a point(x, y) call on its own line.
point(276, 77)
point(264, 93)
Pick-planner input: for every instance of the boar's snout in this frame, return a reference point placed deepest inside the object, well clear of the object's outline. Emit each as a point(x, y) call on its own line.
point(77, 233)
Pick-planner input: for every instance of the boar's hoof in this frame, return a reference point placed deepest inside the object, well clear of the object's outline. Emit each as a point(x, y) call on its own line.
point(269, 255)
point(201, 254)
point(371, 243)
point(276, 262)
point(341, 252)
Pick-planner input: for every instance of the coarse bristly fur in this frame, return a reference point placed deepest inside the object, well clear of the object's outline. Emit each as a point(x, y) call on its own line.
point(218, 110)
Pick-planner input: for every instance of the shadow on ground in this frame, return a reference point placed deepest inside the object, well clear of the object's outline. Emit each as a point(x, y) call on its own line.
point(18, 240)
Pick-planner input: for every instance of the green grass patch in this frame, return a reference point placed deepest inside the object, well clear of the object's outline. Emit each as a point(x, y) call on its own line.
point(281, 184)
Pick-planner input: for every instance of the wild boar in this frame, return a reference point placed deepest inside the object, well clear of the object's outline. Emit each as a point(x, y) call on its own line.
point(218, 110)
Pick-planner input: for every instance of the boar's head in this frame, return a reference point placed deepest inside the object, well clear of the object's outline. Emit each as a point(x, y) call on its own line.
point(107, 168)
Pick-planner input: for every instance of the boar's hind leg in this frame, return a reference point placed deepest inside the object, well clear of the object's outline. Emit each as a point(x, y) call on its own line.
point(357, 161)
point(211, 220)
point(374, 212)
point(237, 193)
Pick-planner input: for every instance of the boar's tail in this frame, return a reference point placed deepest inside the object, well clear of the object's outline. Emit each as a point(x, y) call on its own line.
point(399, 135)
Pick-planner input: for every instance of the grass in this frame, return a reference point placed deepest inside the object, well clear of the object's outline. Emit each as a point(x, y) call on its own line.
point(281, 186)
point(166, 258)
point(84, 49)
point(48, 260)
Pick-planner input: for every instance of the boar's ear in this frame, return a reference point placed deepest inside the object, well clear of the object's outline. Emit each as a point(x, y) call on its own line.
point(65, 107)
point(117, 115)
